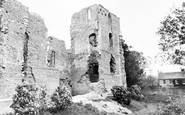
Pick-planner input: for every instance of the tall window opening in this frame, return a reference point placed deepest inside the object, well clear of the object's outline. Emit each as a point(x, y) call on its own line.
point(51, 59)
point(93, 67)
point(93, 72)
point(112, 65)
point(88, 14)
point(110, 40)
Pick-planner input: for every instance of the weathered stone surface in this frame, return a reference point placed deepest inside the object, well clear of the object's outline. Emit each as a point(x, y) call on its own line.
point(12, 31)
point(58, 47)
point(24, 42)
point(37, 33)
point(97, 30)
point(95, 61)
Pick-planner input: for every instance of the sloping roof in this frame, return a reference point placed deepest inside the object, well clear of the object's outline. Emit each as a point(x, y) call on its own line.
point(172, 75)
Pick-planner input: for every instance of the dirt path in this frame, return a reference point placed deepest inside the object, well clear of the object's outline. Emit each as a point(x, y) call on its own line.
point(148, 110)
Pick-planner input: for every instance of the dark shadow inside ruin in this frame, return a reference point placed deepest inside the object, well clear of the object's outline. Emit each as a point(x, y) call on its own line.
point(110, 40)
point(25, 51)
point(93, 40)
point(93, 67)
point(93, 72)
point(112, 64)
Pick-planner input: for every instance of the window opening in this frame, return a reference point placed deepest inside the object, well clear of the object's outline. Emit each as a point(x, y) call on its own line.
point(51, 59)
point(89, 14)
point(93, 40)
point(112, 65)
point(93, 67)
point(110, 40)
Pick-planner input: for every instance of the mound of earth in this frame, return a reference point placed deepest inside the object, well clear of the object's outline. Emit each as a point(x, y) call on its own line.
point(101, 103)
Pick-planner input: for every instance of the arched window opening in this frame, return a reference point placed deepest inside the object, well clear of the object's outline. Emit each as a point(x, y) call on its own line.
point(110, 40)
point(93, 40)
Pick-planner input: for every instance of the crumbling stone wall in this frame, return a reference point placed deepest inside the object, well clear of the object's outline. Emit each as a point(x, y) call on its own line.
point(37, 33)
point(58, 47)
point(95, 61)
point(97, 30)
point(23, 42)
point(12, 31)
point(122, 62)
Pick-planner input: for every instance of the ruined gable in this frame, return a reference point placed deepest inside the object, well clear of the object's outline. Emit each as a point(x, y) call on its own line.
point(95, 61)
point(37, 33)
point(97, 30)
point(12, 32)
point(23, 46)
point(13, 25)
point(56, 53)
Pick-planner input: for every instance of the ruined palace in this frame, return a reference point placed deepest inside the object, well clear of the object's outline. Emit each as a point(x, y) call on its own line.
point(95, 61)
point(24, 40)
point(95, 41)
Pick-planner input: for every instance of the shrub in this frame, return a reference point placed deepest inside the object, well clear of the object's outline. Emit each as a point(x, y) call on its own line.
point(29, 100)
point(61, 98)
point(175, 107)
point(121, 95)
point(171, 109)
point(148, 82)
point(135, 91)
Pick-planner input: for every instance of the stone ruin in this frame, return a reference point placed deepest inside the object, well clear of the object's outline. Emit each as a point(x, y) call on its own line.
point(96, 49)
point(95, 61)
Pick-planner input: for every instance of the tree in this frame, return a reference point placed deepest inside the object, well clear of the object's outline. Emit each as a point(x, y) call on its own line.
point(134, 65)
point(172, 33)
point(149, 81)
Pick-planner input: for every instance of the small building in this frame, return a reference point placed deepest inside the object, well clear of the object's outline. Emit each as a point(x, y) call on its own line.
point(171, 79)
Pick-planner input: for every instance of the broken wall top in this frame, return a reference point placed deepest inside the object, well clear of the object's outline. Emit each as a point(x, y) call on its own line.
point(14, 13)
point(95, 9)
point(58, 47)
point(16, 20)
point(37, 26)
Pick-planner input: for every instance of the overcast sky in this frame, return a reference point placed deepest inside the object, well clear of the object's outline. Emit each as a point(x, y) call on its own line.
point(139, 19)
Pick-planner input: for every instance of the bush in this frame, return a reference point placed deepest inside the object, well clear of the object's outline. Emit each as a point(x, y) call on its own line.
point(171, 109)
point(29, 100)
point(61, 98)
point(135, 91)
point(175, 107)
point(121, 95)
point(149, 81)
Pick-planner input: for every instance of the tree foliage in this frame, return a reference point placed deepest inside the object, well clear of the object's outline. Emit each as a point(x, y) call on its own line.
point(172, 36)
point(121, 95)
point(61, 98)
point(134, 65)
point(29, 100)
point(149, 82)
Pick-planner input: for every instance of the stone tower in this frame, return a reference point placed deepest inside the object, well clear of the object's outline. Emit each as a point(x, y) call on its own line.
point(96, 49)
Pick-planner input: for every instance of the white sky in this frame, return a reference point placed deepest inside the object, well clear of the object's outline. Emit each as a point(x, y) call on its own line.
point(139, 18)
